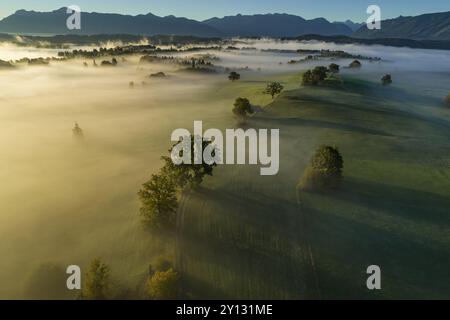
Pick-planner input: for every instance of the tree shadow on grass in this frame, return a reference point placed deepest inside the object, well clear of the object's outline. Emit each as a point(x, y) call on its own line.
point(248, 246)
point(416, 205)
point(323, 125)
point(346, 241)
point(344, 248)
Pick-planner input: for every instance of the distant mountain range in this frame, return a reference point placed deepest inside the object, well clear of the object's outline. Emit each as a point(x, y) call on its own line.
point(271, 25)
point(275, 25)
point(432, 26)
point(54, 22)
point(435, 26)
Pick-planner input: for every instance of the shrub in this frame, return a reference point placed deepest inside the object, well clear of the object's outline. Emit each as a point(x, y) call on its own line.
point(242, 108)
point(314, 76)
point(355, 64)
point(97, 281)
point(333, 68)
point(164, 285)
point(386, 80)
point(157, 75)
point(447, 100)
point(77, 132)
point(234, 76)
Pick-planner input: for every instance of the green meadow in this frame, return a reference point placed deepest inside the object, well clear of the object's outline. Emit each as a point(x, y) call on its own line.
point(247, 236)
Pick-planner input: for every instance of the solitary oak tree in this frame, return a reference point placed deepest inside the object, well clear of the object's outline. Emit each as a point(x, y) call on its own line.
point(324, 171)
point(274, 88)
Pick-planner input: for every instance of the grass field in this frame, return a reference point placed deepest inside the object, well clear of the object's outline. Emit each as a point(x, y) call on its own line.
point(244, 235)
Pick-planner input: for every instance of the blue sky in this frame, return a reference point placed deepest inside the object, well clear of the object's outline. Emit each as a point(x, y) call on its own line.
point(202, 9)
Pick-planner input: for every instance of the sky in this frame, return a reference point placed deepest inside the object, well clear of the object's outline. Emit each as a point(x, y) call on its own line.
point(333, 10)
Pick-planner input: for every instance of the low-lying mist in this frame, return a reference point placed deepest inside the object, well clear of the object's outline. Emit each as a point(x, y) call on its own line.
point(65, 201)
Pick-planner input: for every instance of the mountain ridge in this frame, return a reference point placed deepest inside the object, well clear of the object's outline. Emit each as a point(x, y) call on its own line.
point(429, 26)
point(276, 24)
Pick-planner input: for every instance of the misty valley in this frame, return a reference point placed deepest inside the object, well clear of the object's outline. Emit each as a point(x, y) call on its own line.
point(356, 161)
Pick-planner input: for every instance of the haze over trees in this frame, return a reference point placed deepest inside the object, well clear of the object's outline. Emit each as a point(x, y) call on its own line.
point(325, 171)
point(159, 201)
point(77, 132)
point(164, 285)
point(386, 80)
point(159, 195)
point(242, 109)
point(97, 284)
point(46, 282)
point(315, 76)
point(189, 175)
point(163, 282)
point(355, 64)
point(273, 89)
point(333, 68)
point(447, 100)
point(234, 76)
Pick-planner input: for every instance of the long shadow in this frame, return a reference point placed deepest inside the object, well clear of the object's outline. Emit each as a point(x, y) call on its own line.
point(321, 124)
point(249, 256)
point(344, 248)
point(412, 263)
point(203, 289)
point(377, 104)
point(399, 201)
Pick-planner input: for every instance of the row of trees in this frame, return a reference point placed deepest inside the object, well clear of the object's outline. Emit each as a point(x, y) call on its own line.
point(162, 282)
point(315, 76)
point(319, 74)
point(159, 195)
